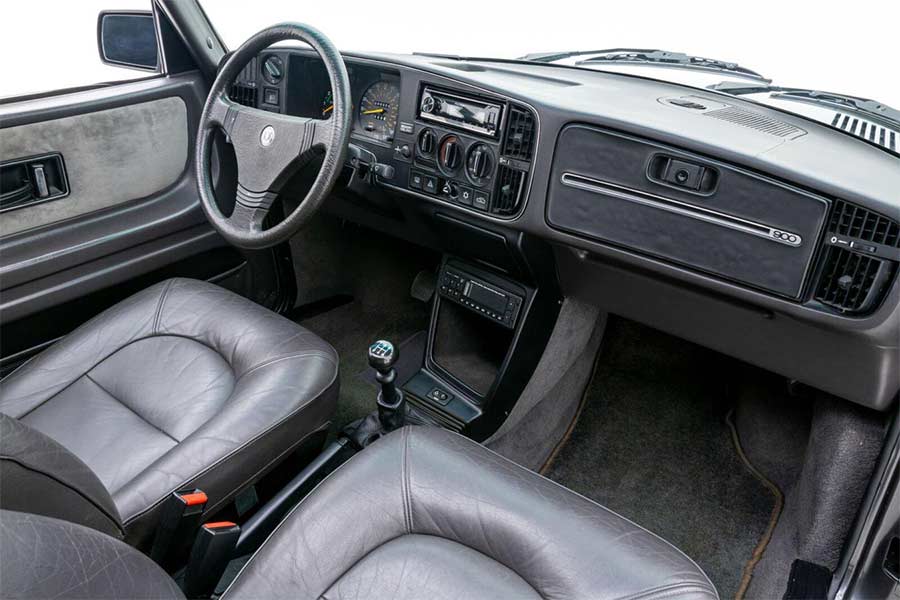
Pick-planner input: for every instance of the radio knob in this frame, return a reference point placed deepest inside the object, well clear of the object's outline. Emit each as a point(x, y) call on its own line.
point(426, 142)
point(428, 103)
point(450, 154)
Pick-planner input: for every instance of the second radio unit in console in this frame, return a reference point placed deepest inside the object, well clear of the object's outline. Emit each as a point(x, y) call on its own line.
point(481, 297)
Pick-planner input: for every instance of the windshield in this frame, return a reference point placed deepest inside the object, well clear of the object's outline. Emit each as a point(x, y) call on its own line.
point(784, 41)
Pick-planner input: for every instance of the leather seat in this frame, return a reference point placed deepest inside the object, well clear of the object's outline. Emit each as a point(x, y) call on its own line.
point(184, 384)
point(421, 513)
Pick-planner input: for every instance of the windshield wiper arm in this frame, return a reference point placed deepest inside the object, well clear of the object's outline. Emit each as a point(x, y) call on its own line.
point(663, 58)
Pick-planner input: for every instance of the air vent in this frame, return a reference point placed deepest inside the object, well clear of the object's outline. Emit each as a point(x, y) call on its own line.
point(852, 282)
point(520, 133)
point(875, 133)
point(856, 222)
point(244, 94)
point(755, 120)
point(510, 190)
point(854, 273)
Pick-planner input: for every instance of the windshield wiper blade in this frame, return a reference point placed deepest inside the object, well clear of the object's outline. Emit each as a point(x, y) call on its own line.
point(664, 58)
point(863, 105)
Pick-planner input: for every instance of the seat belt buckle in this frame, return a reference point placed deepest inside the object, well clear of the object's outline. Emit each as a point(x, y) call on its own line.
point(212, 551)
point(180, 516)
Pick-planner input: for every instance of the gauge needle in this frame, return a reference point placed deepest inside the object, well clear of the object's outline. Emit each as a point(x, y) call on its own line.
point(373, 111)
point(328, 110)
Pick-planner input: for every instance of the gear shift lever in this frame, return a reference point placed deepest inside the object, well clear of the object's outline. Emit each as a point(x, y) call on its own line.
point(391, 403)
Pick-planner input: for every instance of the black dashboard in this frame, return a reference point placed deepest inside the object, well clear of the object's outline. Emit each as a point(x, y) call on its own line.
point(752, 231)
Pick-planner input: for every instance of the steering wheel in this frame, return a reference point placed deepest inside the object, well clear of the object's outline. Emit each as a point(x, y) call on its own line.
point(269, 147)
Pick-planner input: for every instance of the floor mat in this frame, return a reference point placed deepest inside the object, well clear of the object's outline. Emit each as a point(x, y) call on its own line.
point(652, 444)
point(350, 329)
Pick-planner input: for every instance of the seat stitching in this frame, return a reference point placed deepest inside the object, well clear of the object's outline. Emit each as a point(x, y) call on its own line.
point(397, 537)
point(272, 361)
point(136, 413)
point(211, 509)
point(663, 591)
point(159, 306)
point(241, 447)
point(404, 484)
point(516, 466)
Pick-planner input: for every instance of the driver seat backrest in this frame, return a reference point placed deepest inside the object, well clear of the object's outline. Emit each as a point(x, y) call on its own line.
point(41, 477)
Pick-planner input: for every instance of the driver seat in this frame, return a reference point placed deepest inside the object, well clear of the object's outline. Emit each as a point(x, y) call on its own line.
point(183, 385)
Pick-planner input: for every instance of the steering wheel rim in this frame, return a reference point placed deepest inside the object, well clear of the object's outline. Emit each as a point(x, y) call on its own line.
point(270, 146)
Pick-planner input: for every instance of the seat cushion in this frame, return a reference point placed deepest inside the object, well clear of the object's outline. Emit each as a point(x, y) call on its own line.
point(182, 385)
point(425, 513)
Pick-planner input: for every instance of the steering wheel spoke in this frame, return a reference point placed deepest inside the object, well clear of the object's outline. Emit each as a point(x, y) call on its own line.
point(251, 209)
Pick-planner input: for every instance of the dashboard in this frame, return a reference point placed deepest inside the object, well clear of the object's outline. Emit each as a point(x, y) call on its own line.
point(752, 231)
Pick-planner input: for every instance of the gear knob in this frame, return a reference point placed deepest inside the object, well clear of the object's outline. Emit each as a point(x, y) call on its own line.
point(382, 356)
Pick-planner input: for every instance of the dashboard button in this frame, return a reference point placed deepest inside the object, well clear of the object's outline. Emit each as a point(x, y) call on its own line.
point(481, 200)
point(466, 195)
point(430, 184)
point(270, 96)
point(415, 180)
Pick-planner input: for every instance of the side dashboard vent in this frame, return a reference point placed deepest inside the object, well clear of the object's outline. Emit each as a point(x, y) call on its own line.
point(853, 278)
point(510, 190)
point(520, 133)
point(867, 130)
point(856, 222)
point(244, 94)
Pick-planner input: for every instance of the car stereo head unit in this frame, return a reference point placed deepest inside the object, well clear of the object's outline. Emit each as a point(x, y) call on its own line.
point(464, 112)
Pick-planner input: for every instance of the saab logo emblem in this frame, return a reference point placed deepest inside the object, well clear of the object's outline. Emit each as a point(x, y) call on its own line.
point(267, 136)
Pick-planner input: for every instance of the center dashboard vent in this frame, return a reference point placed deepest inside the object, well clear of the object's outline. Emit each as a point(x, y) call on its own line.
point(854, 271)
point(520, 133)
point(517, 151)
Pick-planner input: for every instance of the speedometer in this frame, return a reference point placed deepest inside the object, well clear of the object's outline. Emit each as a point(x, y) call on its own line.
point(378, 110)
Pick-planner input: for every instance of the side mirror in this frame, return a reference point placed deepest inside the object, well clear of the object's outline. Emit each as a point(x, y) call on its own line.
point(128, 39)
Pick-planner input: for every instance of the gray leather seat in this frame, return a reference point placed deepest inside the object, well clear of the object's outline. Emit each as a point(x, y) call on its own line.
point(182, 385)
point(422, 513)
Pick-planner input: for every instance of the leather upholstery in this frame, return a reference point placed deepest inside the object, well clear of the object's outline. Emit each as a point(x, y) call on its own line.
point(425, 513)
point(49, 558)
point(421, 513)
point(39, 476)
point(184, 384)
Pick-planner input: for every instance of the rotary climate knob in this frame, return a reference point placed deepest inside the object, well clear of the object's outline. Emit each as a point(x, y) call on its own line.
point(426, 142)
point(479, 163)
point(450, 153)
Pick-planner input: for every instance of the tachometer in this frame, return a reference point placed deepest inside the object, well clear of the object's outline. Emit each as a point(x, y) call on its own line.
point(378, 110)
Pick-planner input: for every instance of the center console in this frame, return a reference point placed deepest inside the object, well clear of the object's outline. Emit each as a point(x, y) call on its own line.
point(471, 151)
point(488, 330)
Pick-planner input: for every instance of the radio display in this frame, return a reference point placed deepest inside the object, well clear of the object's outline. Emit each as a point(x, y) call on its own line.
point(487, 297)
point(467, 113)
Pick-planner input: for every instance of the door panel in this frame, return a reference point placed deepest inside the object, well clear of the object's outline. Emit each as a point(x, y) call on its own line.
point(133, 213)
point(111, 156)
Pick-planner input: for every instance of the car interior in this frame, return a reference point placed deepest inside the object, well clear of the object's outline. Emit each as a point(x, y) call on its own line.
point(282, 321)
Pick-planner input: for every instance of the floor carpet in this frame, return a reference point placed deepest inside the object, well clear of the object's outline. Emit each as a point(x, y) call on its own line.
point(351, 328)
point(652, 444)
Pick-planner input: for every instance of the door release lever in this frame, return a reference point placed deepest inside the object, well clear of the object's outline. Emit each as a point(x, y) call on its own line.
point(33, 179)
